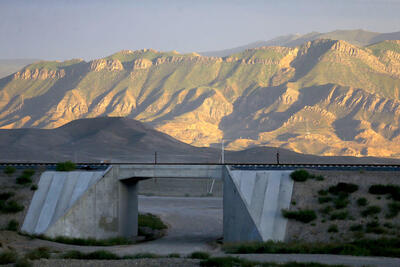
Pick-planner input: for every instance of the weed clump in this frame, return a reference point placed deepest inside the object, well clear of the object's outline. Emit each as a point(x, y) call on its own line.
point(25, 177)
point(333, 228)
point(7, 257)
point(96, 255)
point(340, 215)
point(200, 255)
point(12, 225)
point(300, 175)
point(6, 195)
point(371, 210)
point(304, 216)
point(9, 170)
point(394, 209)
point(356, 227)
point(392, 190)
point(362, 202)
point(66, 166)
point(152, 221)
point(343, 188)
point(10, 206)
point(39, 253)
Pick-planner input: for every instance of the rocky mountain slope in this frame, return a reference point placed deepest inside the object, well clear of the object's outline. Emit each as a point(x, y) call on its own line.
point(9, 66)
point(355, 37)
point(324, 97)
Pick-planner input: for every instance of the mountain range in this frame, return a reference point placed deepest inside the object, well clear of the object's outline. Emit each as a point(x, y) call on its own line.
point(324, 97)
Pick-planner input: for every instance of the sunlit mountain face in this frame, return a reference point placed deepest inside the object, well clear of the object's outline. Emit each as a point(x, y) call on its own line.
point(324, 97)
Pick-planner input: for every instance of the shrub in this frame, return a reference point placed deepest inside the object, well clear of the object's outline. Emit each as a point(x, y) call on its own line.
point(333, 228)
point(11, 207)
point(174, 255)
point(142, 256)
point(28, 172)
point(229, 261)
point(6, 195)
point(23, 179)
point(9, 170)
point(379, 189)
point(319, 178)
point(340, 215)
point(39, 253)
point(66, 166)
point(356, 227)
point(152, 221)
point(371, 210)
point(326, 210)
point(23, 263)
point(394, 209)
point(200, 255)
point(304, 216)
point(12, 225)
point(96, 255)
point(90, 241)
point(346, 188)
point(8, 257)
point(374, 227)
point(322, 192)
point(326, 199)
point(34, 187)
point(340, 203)
point(362, 202)
point(300, 175)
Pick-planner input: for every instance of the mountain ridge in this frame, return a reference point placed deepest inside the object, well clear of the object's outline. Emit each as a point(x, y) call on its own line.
point(338, 98)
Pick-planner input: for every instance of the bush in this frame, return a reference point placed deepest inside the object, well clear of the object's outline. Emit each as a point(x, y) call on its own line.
point(28, 172)
point(34, 187)
point(356, 227)
point(374, 227)
point(142, 256)
point(229, 261)
point(344, 188)
point(304, 216)
point(90, 241)
point(152, 221)
point(174, 255)
point(340, 215)
point(379, 189)
point(200, 255)
point(11, 207)
point(39, 253)
point(6, 195)
point(66, 166)
point(371, 210)
point(23, 179)
point(322, 200)
point(8, 257)
point(96, 255)
point(300, 175)
point(333, 228)
point(340, 203)
point(23, 263)
point(12, 225)
point(326, 210)
point(9, 170)
point(362, 202)
point(394, 209)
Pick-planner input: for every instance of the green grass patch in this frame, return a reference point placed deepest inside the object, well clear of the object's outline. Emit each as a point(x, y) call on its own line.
point(343, 188)
point(362, 247)
point(9, 170)
point(86, 241)
point(152, 221)
point(324, 199)
point(66, 166)
point(300, 175)
point(12, 225)
point(200, 255)
point(96, 255)
point(304, 216)
point(362, 202)
point(394, 209)
point(6, 195)
point(339, 215)
point(333, 228)
point(10, 206)
point(7, 257)
point(371, 210)
point(392, 190)
point(39, 253)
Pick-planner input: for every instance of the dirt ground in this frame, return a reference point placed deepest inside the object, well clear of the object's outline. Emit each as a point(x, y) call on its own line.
point(305, 196)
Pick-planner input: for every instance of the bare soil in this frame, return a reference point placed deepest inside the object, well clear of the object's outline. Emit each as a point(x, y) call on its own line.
point(305, 196)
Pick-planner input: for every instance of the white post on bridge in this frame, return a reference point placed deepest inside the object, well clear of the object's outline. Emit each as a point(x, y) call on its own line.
point(222, 152)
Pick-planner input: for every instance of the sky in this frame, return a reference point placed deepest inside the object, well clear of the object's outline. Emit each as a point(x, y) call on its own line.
point(88, 29)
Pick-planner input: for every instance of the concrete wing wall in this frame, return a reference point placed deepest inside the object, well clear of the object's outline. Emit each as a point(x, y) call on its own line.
point(57, 192)
point(263, 194)
point(95, 214)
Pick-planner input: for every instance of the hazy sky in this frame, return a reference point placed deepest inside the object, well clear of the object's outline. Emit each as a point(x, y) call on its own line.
point(62, 29)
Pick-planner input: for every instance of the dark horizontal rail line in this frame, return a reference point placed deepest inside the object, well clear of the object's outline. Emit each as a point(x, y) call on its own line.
point(309, 165)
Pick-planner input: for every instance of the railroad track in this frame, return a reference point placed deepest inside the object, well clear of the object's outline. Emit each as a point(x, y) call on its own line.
point(234, 166)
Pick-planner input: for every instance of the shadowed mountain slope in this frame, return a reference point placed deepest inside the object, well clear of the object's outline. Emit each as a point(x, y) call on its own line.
point(125, 140)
